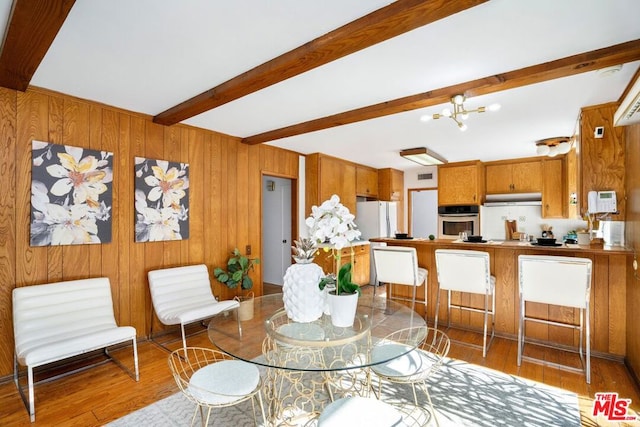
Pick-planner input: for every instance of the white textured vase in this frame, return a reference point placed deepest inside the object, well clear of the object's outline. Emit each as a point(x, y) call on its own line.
point(303, 300)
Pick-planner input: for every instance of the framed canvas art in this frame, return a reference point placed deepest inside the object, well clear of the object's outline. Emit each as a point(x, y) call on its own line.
point(161, 200)
point(71, 195)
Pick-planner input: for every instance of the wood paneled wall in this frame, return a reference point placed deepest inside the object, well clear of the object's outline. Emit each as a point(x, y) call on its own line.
point(632, 234)
point(225, 201)
point(602, 160)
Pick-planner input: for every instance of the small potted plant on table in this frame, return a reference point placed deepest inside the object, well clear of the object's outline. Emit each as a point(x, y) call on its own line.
point(332, 221)
point(237, 273)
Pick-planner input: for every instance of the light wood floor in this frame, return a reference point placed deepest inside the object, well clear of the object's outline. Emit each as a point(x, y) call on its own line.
point(102, 394)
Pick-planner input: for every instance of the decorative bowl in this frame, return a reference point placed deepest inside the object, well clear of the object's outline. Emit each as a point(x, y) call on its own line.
point(474, 238)
point(402, 235)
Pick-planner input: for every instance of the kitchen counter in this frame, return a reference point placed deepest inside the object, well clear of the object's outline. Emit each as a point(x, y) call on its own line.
point(611, 265)
point(458, 244)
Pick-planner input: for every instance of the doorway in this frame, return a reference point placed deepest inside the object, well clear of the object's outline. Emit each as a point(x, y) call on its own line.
point(277, 223)
point(423, 212)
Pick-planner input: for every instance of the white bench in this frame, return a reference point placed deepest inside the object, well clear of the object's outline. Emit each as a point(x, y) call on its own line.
point(56, 321)
point(182, 295)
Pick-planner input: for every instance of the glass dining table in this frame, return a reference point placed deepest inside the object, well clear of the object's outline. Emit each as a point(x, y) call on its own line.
point(308, 365)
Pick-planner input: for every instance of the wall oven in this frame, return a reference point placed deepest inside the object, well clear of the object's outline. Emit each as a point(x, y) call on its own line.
point(454, 219)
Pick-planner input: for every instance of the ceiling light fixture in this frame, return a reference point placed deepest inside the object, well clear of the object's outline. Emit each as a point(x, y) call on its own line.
point(423, 156)
point(459, 113)
point(553, 146)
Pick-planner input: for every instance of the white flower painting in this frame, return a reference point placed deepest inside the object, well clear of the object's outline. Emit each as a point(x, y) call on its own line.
point(161, 200)
point(71, 195)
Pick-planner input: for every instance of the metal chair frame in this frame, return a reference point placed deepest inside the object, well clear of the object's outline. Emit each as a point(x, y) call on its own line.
point(186, 362)
point(577, 280)
point(488, 283)
point(435, 346)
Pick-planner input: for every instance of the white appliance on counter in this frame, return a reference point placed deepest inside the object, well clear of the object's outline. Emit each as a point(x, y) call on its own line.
point(376, 219)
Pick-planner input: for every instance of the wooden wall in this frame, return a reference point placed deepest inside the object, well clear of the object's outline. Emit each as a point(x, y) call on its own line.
point(225, 201)
point(632, 234)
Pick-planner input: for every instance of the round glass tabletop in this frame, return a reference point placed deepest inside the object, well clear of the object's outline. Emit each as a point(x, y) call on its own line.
point(271, 339)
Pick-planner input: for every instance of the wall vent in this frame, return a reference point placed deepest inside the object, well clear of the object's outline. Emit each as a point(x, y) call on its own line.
point(423, 176)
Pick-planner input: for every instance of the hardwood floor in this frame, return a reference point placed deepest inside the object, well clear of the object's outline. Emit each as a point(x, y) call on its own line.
point(99, 395)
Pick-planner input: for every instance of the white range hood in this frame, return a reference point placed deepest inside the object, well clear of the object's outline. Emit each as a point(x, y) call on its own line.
point(514, 199)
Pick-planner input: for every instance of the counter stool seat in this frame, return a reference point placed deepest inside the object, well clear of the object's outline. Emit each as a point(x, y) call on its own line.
point(561, 281)
point(467, 271)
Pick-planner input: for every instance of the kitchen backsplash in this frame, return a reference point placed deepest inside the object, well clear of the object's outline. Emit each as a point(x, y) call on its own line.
point(528, 218)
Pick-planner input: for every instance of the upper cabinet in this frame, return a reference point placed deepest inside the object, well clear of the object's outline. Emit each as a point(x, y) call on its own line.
point(516, 177)
point(461, 183)
point(555, 198)
point(326, 176)
point(366, 182)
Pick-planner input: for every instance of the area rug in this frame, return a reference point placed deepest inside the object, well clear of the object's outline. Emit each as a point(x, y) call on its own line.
point(463, 395)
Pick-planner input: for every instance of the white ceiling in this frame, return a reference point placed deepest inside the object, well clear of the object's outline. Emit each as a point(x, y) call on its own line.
point(149, 55)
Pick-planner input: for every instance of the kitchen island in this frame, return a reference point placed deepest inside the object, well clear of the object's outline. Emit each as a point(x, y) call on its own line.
point(611, 265)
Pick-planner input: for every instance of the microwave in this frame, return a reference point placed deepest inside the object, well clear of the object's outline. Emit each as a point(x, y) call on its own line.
point(452, 220)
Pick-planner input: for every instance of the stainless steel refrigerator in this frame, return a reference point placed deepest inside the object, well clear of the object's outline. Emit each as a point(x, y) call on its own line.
point(376, 219)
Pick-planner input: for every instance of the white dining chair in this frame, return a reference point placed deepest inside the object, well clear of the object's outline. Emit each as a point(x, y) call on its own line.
point(467, 271)
point(398, 265)
point(561, 281)
point(213, 379)
point(413, 366)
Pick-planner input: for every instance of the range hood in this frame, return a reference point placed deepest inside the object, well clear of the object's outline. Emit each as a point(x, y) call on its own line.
point(514, 199)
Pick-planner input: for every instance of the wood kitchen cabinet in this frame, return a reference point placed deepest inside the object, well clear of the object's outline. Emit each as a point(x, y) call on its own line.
point(555, 198)
point(514, 177)
point(366, 182)
point(461, 183)
point(391, 189)
point(361, 263)
point(326, 176)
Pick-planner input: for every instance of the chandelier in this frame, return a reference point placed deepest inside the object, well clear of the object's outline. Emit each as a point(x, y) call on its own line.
point(459, 113)
point(553, 146)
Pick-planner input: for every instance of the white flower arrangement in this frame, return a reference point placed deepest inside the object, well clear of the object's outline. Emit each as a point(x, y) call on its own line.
point(332, 221)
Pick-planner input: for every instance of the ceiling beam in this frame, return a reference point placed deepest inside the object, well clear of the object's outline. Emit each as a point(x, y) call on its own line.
point(33, 24)
point(390, 21)
point(576, 64)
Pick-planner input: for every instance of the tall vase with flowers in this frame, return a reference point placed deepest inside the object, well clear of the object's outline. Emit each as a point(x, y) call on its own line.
point(332, 222)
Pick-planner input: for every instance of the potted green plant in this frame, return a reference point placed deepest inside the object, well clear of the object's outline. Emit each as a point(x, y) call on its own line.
point(237, 273)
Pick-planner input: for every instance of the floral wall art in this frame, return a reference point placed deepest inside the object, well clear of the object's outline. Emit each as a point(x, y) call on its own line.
point(71, 195)
point(161, 200)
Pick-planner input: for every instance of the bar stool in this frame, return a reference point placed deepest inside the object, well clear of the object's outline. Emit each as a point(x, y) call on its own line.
point(398, 265)
point(467, 271)
point(556, 280)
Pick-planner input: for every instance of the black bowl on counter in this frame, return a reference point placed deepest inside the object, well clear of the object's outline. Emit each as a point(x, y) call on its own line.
point(402, 235)
point(546, 241)
point(474, 238)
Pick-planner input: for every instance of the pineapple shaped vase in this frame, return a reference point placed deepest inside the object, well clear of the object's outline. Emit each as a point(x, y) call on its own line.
point(303, 299)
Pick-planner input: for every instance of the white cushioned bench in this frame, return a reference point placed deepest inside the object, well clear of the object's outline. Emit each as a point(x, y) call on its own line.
point(56, 321)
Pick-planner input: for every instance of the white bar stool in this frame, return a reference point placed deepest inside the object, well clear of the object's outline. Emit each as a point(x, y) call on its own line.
point(398, 265)
point(556, 280)
point(467, 271)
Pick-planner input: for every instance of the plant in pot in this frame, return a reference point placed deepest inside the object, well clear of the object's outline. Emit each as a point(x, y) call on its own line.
point(333, 223)
point(237, 273)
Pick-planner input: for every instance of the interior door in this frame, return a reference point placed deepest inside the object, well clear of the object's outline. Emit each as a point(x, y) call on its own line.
point(276, 229)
